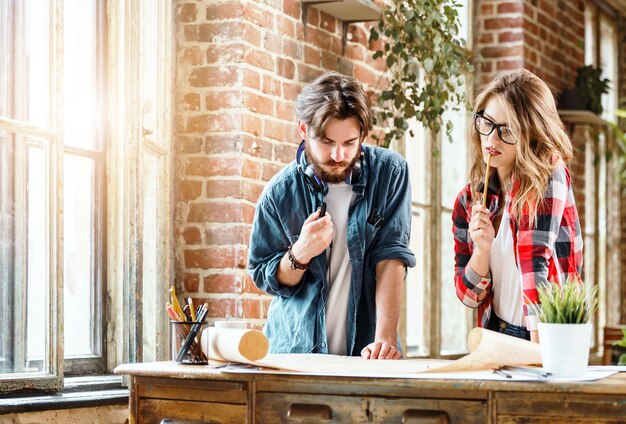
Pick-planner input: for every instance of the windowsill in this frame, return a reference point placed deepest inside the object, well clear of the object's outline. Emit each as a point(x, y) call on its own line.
point(79, 392)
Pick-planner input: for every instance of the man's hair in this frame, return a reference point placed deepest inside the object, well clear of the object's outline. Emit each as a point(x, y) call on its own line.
point(333, 95)
point(535, 123)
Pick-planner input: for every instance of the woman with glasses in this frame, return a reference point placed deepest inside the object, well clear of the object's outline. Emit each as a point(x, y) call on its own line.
point(528, 232)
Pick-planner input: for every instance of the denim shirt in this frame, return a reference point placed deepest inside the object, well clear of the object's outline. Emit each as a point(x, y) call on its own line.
point(296, 321)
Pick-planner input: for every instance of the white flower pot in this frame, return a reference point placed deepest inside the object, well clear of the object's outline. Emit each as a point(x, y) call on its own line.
point(565, 348)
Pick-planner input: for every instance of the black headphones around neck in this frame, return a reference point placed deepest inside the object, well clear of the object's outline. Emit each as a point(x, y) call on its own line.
point(315, 183)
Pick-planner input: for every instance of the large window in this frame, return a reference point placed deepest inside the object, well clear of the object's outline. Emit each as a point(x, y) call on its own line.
point(436, 323)
point(78, 197)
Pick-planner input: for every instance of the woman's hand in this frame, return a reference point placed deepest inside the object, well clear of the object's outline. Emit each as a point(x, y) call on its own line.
point(481, 229)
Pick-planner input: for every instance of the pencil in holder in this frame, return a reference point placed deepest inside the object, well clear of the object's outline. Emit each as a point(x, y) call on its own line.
point(186, 346)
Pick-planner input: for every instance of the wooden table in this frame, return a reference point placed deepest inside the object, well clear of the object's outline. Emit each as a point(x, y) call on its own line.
point(164, 392)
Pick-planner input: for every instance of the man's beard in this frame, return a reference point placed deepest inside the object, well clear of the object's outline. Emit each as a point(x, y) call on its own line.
point(331, 177)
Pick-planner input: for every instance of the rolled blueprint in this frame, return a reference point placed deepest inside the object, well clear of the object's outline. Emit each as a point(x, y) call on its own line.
point(234, 344)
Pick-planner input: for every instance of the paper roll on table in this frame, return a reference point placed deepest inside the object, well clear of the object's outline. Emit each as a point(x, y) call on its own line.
point(234, 344)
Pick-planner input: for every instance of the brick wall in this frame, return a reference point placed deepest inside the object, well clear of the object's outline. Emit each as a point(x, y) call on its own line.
point(240, 65)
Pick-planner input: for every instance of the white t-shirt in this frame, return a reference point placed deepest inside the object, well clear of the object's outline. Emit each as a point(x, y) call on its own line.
point(505, 277)
point(338, 201)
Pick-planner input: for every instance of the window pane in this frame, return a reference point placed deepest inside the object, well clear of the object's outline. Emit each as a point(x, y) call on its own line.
point(79, 255)
point(416, 327)
point(415, 150)
point(24, 255)
point(454, 315)
point(37, 258)
point(454, 170)
point(25, 54)
point(80, 65)
point(152, 279)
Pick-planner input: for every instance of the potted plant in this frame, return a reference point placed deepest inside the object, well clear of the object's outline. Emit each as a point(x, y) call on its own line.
point(564, 312)
point(426, 62)
point(589, 87)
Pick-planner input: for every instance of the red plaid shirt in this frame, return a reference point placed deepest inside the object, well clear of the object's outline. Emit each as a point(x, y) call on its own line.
point(550, 252)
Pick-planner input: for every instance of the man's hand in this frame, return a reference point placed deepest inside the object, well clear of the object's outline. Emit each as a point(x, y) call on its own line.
point(315, 237)
point(381, 350)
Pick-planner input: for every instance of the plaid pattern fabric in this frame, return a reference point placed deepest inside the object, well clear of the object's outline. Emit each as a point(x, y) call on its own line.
point(552, 251)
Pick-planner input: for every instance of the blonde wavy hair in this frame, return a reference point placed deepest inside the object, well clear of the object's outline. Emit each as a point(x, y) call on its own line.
point(534, 121)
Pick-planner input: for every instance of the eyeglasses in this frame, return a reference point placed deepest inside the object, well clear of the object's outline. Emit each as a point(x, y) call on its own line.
point(485, 126)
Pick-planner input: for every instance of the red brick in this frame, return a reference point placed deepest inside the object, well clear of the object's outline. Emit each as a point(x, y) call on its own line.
point(312, 56)
point(256, 147)
point(219, 189)
point(270, 169)
point(191, 101)
point(229, 234)
point(218, 123)
point(222, 308)
point(505, 65)
point(495, 52)
point(231, 99)
point(327, 22)
point(213, 257)
point(208, 166)
point(285, 110)
point(285, 68)
point(365, 75)
point(258, 16)
point(318, 37)
point(258, 103)
point(216, 211)
point(223, 143)
point(285, 152)
point(271, 86)
point(260, 59)
point(307, 73)
point(252, 308)
point(510, 7)
point(251, 34)
point(292, 8)
point(220, 11)
point(189, 190)
point(251, 169)
point(485, 38)
point(191, 56)
point(227, 53)
point(274, 129)
point(251, 191)
point(312, 17)
point(250, 287)
point(500, 23)
point(186, 144)
point(293, 49)
point(355, 52)
point(330, 61)
point(251, 79)
point(186, 12)
point(213, 76)
point(252, 124)
point(486, 9)
point(285, 26)
point(191, 282)
point(510, 36)
point(273, 43)
point(192, 235)
point(222, 283)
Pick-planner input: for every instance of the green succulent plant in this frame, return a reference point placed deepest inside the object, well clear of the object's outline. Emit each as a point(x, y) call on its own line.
point(569, 303)
point(592, 86)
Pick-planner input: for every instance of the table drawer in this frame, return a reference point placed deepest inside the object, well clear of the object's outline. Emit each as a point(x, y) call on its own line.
point(274, 408)
point(157, 411)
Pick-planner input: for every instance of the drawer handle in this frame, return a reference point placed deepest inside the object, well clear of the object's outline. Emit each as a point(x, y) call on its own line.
point(307, 410)
point(425, 417)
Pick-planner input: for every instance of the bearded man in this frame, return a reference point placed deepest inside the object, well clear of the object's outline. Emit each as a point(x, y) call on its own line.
point(330, 238)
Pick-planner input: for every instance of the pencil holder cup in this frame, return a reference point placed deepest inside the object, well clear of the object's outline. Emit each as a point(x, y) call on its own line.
point(186, 346)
